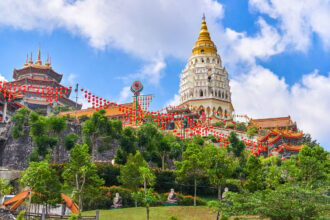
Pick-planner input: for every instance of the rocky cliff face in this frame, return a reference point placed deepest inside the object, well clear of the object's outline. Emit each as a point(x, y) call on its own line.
point(15, 153)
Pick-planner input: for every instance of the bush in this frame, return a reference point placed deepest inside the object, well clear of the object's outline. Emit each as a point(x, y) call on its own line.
point(165, 180)
point(110, 192)
point(109, 173)
point(188, 200)
point(184, 200)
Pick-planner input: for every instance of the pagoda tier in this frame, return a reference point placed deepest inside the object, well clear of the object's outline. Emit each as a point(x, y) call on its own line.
point(37, 71)
point(33, 97)
point(40, 86)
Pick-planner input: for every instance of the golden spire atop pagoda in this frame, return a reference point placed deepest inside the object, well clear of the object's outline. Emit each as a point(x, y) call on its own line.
point(38, 62)
point(204, 44)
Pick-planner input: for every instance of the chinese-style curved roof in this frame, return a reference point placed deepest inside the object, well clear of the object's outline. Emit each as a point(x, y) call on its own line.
point(274, 139)
point(292, 147)
point(287, 133)
point(35, 68)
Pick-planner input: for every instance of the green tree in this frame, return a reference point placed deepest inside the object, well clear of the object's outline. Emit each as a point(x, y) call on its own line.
point(191, 165)
point(254, 174)
point(272, 171)
point(241, 126)
point(134, 172)
point(39, 132)
point(97, 129)
point(56, 126)
point(236, 146)
point(219, 166)
point(81, 174)
point(130, 173)
point(148, 179)
point(149, 139)
point(252, 131)
point(127, 145)
point(284, 203)
point(5, 188)
point(164, 148)
point(43, 180)
point(310, 169)
point(20, 120)
point(70, 140)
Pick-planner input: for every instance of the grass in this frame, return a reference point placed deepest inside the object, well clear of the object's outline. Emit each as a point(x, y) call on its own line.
point(157, 213)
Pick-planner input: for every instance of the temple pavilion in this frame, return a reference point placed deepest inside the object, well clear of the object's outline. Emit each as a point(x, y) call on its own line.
point(40, 86)
point(283, 136)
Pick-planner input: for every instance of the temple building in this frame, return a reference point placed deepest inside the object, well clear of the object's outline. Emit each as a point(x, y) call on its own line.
point(41, 86)
point(279, 122)
point(282, 137)
point(204, 83)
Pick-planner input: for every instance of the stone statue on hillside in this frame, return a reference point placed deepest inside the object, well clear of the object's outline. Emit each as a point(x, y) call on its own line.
point(117, 201)
point(172, 197)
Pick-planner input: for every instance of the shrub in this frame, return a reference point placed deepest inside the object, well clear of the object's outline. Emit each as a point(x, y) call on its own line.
point(110, 192)
point(184, 200)
point(109, 173)
point(165, 180)
point(188, 200)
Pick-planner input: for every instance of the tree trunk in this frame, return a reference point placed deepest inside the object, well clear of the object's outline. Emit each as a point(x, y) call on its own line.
point(163, 162)
point(147, 208)
point(80, 203)
point(219, 192)
point(195, 190)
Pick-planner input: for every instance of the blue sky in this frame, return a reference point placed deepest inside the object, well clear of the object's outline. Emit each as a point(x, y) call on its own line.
point(277, 52)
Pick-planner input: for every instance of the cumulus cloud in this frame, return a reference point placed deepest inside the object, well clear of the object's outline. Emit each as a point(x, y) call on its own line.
point(174, 101)
point(125, 95)
point(261, 93)
point(298, 19)
point(140, 27)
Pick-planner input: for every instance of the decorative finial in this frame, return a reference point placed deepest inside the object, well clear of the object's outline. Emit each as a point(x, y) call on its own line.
point(203, 16)
point(31, 62)
point(27, 60)
point(39, 55)
point(47, 61)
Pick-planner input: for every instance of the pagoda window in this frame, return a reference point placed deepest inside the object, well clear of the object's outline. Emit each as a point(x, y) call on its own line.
point(207, 60)
point(201, 93)
point(225, 113)
point(219, 112)
point(226, 95)
point(202, 51)
point(202, 60)
point(215, 93)
point(209, 78)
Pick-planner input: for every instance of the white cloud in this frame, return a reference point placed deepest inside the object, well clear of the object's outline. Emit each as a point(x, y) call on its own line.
point(261, 93)
point(125, 95)
point(174, 101)
point(2, 78)
point(144, 28)
point(298, 19)
point(238, 47)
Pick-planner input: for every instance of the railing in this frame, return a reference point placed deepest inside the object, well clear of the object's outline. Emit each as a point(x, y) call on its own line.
point(6, 214)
